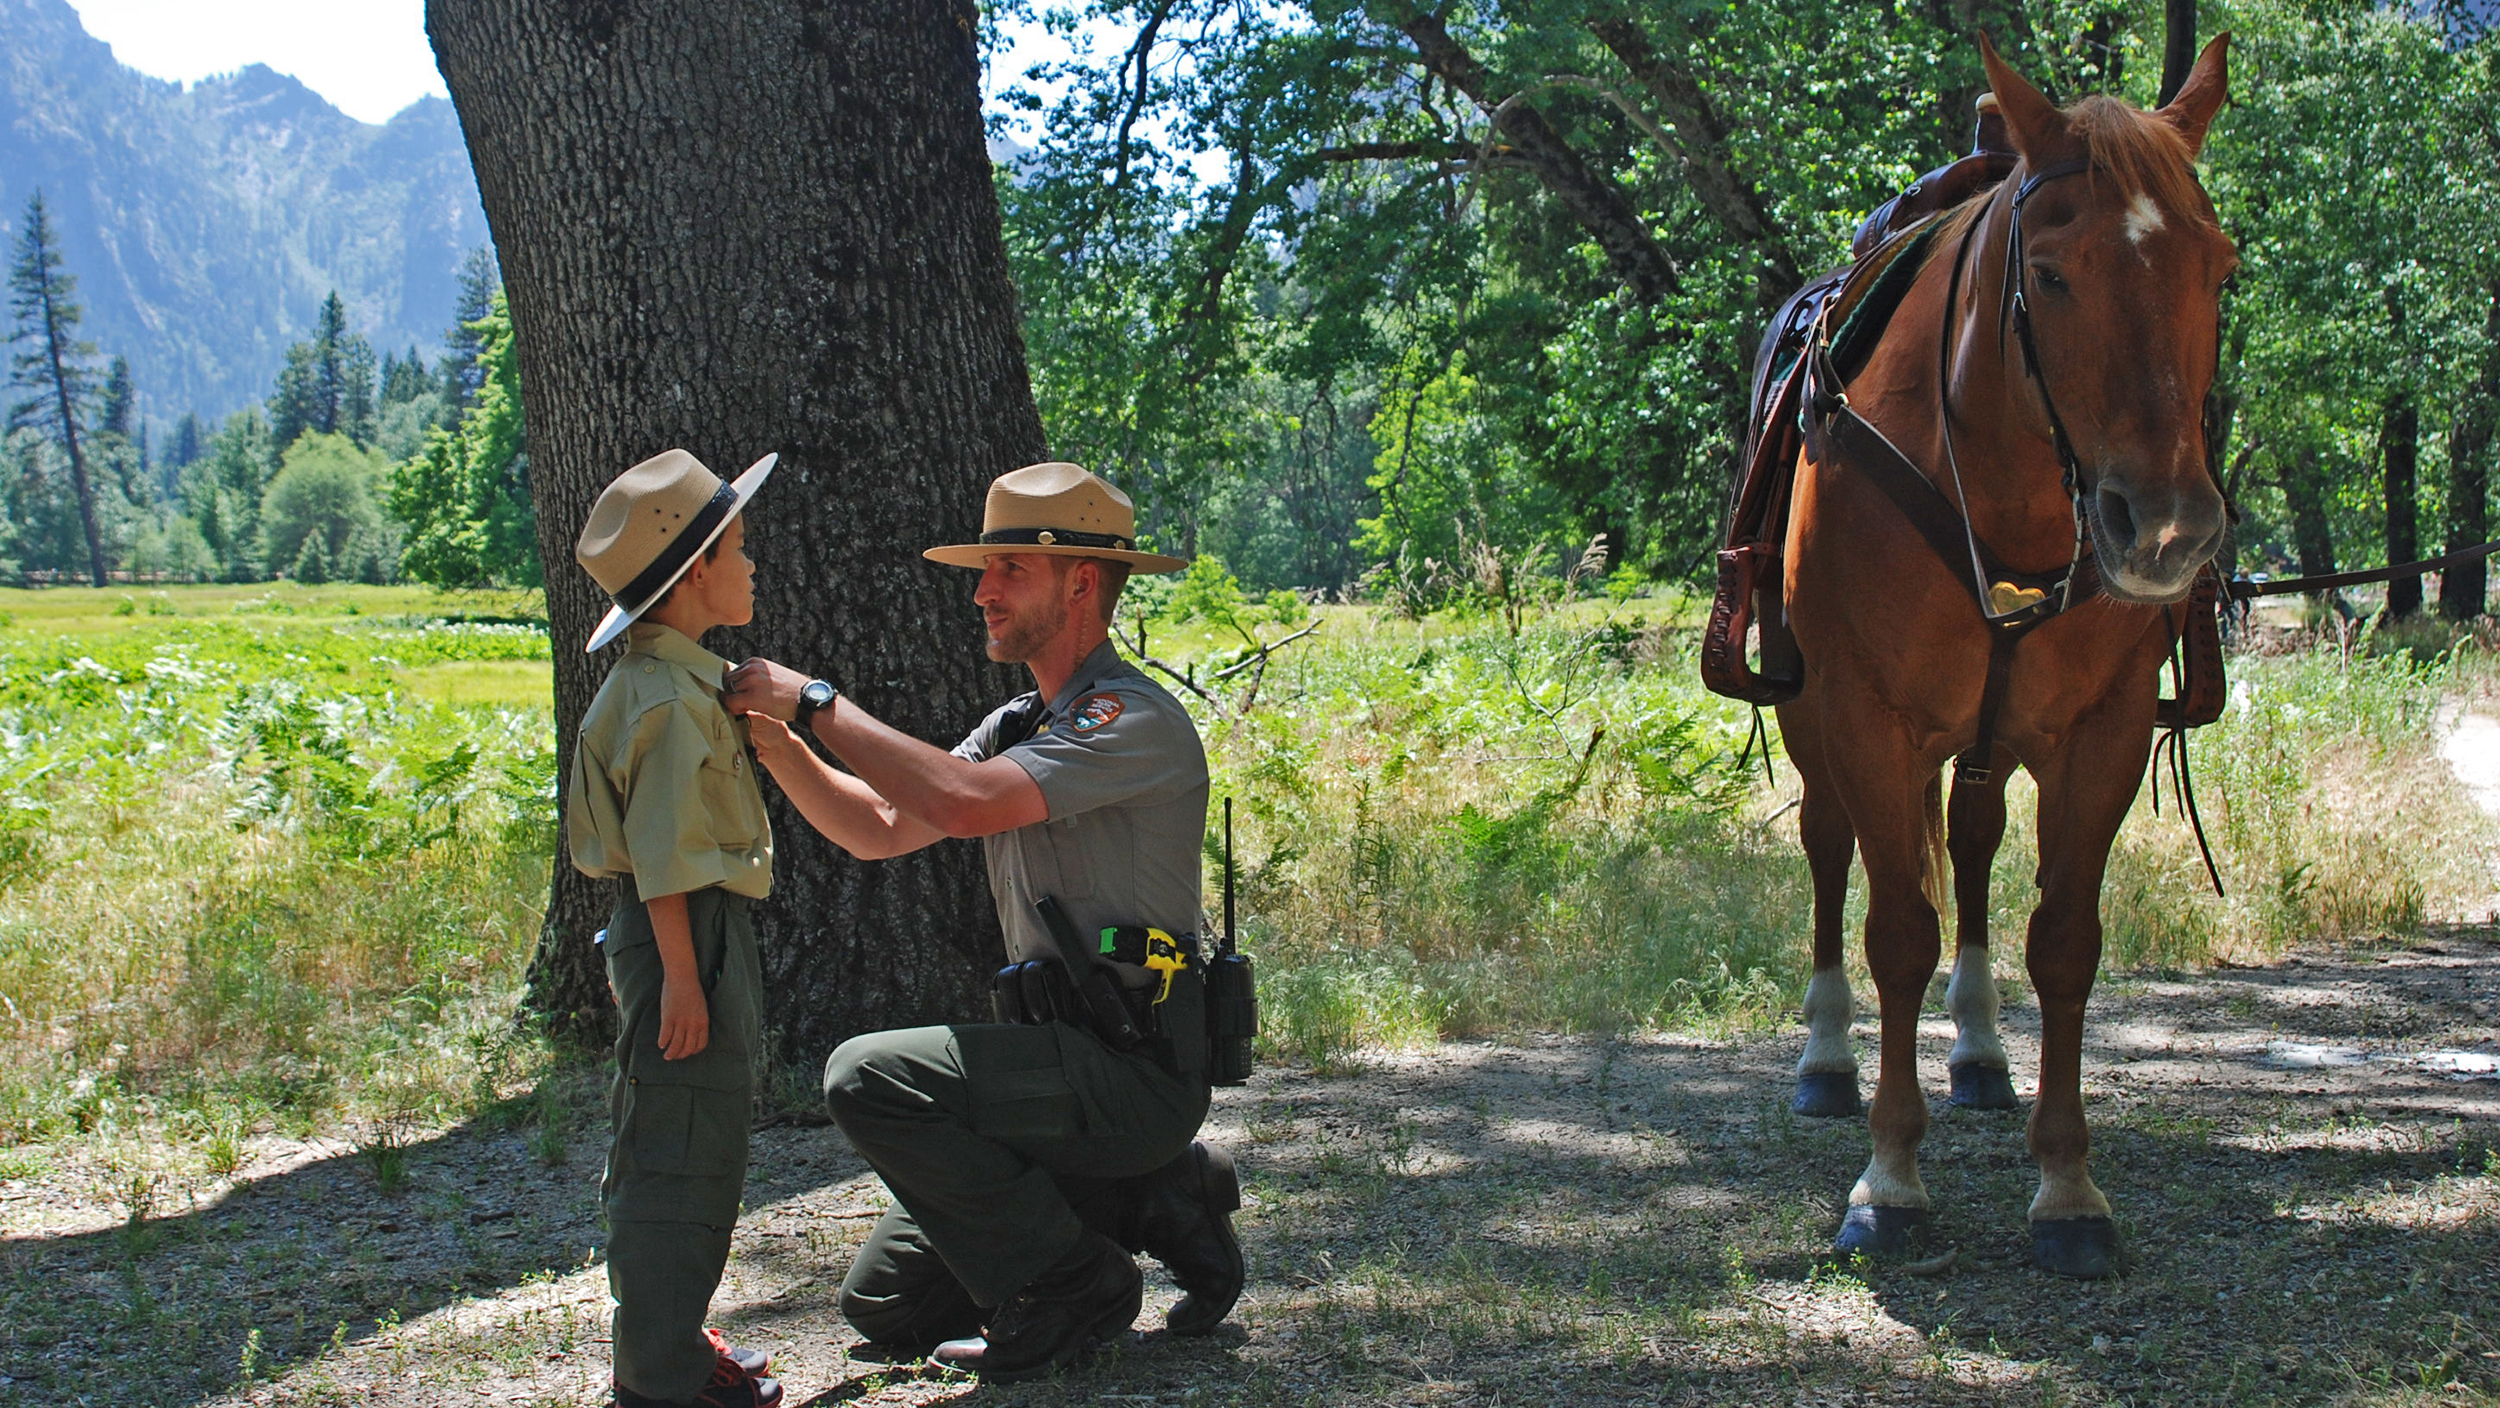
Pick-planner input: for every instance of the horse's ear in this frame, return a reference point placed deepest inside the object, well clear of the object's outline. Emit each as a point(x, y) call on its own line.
point(2037, 127)
point(2208, 84)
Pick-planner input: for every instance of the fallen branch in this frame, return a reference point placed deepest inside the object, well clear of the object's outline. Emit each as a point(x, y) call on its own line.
point(1265, 650)
point(1185, 682)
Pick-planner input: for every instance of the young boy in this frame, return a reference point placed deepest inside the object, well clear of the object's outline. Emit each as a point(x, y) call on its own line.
point(664, 800)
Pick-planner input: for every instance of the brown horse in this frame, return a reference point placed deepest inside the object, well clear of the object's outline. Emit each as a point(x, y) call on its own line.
point(2046, 372)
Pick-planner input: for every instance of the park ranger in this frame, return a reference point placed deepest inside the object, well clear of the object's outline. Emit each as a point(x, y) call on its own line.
point(1029, 1156)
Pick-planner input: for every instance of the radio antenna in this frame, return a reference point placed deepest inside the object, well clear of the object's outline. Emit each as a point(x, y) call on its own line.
point(1228, 875)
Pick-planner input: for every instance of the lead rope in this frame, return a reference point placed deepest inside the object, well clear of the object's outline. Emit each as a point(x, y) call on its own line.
point(2174, 742)
point(1758, 732)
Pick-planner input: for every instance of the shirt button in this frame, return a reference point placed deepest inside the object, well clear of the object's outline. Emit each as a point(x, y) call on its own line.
point(647, 669)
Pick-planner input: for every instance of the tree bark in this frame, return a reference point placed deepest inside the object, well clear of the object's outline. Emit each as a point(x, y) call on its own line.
point(2178, 47)
point(2463, 586)
point(2399, 454)
point(748, 226)
point(2312, 539)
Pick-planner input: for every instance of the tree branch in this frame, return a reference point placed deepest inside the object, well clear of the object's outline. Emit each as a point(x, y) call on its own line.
point(1594, 202)
point(1702, 142)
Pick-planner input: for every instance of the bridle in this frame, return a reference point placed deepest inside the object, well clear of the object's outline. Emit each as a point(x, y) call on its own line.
point(1998, 608)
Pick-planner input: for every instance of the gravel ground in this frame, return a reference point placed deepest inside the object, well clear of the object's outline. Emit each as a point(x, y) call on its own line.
point(2302, 1157)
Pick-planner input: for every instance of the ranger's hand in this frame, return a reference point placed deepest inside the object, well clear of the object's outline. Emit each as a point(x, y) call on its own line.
point(685, 1019)
point(761, 687)
point(775, 745)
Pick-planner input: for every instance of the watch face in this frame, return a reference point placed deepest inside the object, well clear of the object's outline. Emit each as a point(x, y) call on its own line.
point(816, 695)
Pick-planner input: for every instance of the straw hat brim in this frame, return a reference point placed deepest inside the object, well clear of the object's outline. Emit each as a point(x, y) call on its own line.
point(619, 616)
point(978, 555)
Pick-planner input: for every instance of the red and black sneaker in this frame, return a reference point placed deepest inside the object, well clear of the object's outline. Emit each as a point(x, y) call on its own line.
point(750, 1362)
point(731, 1387)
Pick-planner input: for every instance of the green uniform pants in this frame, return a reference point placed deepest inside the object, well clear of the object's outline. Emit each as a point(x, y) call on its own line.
point(678, 1161)
point(1000, 1144)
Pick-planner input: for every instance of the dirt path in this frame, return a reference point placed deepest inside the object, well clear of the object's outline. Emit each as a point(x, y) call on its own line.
point(2302, 1156)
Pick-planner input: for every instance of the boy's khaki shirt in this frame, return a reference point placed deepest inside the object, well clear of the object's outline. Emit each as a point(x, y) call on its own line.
point(662, 788)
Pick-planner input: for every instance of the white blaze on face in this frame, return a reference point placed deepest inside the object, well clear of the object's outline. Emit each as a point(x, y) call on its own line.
point(2143, 218)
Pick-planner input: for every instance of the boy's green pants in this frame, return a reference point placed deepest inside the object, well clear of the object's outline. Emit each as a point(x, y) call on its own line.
point(678, 1161)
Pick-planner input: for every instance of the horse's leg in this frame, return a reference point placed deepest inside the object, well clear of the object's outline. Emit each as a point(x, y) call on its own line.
point(1827, 1075)
point(2084, 795)
point(1900, 827)
point(1974, 827)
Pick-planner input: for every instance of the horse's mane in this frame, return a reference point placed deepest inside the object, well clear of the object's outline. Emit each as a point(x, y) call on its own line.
point(2146, 155)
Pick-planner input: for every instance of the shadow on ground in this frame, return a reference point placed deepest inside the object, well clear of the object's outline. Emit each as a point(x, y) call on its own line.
point(1634, 1221)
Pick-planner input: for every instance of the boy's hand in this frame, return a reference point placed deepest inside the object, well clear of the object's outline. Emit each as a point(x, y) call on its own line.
point(760, 687)
point(774, 743)
point(685, 1019)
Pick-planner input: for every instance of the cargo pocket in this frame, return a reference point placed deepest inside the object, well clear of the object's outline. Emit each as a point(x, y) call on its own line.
point(693, 1130)
point(1017, 1085)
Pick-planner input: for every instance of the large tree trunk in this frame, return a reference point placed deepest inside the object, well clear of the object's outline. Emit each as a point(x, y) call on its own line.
point(754, 225)
point(2463, 586)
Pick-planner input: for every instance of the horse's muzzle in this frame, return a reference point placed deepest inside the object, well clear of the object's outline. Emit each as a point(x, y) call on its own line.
point(2150, 541)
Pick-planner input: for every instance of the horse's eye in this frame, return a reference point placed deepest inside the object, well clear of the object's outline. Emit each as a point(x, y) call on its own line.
point(2047, 278)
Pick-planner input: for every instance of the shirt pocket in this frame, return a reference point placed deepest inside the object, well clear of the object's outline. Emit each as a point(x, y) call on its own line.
point(1071, 840)
point(730, 800)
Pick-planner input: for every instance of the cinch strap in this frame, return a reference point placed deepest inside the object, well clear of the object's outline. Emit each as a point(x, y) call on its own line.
point(680, 550)
point(1056, 537)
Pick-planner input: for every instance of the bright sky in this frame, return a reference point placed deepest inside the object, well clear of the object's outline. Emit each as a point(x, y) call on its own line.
point(368, 57)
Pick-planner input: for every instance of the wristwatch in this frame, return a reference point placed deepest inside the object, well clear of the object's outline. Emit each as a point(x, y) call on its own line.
point(813, 695)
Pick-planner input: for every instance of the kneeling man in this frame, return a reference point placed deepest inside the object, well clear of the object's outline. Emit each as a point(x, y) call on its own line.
point(1029, 1157)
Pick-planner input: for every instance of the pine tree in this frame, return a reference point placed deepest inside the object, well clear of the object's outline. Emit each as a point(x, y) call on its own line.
point(326, 385)
point(481, 278)
point(114, 418)
point(404, 379)
point(54, 366)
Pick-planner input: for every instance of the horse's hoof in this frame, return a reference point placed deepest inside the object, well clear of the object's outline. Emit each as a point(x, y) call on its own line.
point(1978, 1087)
point(2085, 1248)
point(1827, 1095)
point(1879, 1231)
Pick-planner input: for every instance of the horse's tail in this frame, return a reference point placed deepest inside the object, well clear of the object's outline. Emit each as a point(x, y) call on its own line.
point(1934, 867)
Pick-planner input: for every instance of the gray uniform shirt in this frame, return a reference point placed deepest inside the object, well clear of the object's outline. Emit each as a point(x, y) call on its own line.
point(1120, 767)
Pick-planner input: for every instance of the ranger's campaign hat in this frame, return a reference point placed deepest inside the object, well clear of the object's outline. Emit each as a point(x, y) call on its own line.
point(1059, 509)
point(650, 524)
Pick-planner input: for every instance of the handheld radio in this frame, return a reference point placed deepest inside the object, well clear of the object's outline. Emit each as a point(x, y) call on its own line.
point(1232, 991)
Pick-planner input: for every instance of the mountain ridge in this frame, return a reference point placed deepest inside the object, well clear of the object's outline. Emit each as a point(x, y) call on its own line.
point(206, 223)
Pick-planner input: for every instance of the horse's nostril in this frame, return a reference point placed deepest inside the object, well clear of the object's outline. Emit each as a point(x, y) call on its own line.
point(2117, 519)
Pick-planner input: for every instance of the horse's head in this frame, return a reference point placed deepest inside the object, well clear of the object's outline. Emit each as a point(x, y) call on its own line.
point(2122, 267)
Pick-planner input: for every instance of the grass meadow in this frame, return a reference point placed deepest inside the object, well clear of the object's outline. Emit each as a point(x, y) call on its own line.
point(271, 858)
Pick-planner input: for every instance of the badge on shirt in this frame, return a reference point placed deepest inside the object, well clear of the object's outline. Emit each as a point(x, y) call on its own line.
point(1093, 711)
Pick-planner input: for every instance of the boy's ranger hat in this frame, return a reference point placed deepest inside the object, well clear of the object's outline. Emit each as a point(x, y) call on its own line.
point(1059, 509)
point(650, 524)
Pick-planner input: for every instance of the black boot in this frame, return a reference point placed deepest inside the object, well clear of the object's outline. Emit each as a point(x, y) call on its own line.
point(1185, 1220)
point(1088, 1297)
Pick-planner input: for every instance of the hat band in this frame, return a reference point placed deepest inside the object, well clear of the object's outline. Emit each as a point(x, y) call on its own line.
point(1055, 537)
point(679, 551)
